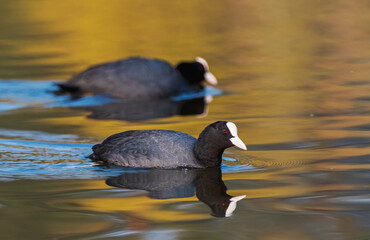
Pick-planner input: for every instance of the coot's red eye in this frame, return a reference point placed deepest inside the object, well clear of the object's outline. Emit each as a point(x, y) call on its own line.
point(224, 130)
point(223, 204)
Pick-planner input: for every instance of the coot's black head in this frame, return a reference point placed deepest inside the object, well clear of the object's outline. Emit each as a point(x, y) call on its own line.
point(222, 134)
point(196, 72)
point(214, 139)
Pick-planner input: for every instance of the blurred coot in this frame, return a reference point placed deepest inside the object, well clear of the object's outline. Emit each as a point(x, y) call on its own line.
point(140, 78)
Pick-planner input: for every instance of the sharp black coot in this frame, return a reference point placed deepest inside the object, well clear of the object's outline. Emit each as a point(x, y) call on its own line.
point(168, 149)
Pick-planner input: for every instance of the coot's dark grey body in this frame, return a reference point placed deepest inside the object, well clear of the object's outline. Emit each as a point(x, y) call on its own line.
point(158, 148)
point(168, 149)
point(132, 78)
point(139, 78)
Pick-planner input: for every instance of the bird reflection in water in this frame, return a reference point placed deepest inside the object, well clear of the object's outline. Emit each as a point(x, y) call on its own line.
point(182, 183)
point(143, 110)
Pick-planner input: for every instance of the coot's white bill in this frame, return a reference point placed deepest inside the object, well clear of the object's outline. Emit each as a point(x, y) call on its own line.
point(235, 139)
point(238, 143)
point(210, 78)
point(237, 198)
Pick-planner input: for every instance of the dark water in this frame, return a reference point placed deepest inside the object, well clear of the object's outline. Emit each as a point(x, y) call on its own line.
point(293, 76)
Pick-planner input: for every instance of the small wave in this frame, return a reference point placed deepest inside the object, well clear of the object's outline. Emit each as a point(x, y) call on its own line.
point(313, 144)
point(207, 91)
point(233, 163)
point(10, 106)
point(15, 94)
point(39, 136)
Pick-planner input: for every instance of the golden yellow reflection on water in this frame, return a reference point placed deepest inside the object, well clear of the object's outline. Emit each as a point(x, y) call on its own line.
point(141, 207)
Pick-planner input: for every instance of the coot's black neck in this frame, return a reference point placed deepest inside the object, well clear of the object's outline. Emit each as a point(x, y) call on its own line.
point(208, 153)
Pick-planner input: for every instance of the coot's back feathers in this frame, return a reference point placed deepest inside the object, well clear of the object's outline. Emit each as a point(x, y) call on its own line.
point(156, 148)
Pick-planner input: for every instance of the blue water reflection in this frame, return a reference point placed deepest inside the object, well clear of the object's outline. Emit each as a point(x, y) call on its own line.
point(17, 94)
point(40, 155)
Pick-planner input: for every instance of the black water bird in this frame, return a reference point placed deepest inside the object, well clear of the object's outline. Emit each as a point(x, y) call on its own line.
point(168, 149)
point(139, 78)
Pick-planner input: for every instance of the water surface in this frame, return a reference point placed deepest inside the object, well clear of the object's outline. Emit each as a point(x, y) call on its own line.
point(293, 76)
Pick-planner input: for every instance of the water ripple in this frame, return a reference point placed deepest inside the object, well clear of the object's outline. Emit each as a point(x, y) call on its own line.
point(39, 155)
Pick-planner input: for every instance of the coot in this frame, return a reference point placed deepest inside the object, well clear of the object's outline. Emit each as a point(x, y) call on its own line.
point(139, 78)
point(168, 149)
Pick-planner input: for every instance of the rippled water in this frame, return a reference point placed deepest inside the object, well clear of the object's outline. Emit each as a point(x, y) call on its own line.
point(293, 76)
